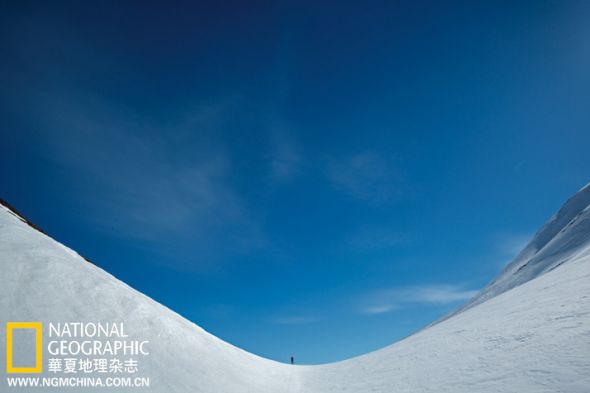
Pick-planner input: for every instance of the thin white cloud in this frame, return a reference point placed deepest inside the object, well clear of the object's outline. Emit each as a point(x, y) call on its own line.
point(379, 309)
point(366, 176)
point(387, 300)
point(508, 245)
point(158, 183)
point(511, 244)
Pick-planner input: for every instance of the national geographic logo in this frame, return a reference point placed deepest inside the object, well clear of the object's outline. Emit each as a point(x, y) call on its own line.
point(74, 354)
point(18, 346)
point(72, 348)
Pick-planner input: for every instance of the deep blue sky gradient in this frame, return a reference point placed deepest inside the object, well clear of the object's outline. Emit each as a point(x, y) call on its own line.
point(298, 178)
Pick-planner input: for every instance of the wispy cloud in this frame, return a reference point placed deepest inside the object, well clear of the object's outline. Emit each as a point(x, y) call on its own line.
point(387, 300)
point(511, 244)
point(508, 245)
point(366, 176)
point(154, 181)
point(379, 309)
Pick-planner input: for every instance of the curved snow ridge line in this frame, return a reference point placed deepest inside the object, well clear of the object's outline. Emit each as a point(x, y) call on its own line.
point(108, 276)
point(532, 338)
point(518, 341)
point(44, 282)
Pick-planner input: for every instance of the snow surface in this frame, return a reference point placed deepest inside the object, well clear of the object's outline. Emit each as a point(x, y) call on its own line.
point(528, 331)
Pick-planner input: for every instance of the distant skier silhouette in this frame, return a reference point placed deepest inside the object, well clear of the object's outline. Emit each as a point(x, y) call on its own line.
point(292, 360)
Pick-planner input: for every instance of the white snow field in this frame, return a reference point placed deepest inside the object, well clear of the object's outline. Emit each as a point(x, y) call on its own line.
point(528, 331)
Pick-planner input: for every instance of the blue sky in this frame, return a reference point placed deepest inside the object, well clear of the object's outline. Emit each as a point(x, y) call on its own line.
point(298, 178)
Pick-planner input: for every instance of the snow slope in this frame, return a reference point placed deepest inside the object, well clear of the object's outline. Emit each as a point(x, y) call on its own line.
point(42, 280)
point(528, 331)
point(565, 234)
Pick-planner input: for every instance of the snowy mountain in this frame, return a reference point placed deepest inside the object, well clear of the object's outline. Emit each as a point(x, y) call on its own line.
point(565, 236)
point(527, 331)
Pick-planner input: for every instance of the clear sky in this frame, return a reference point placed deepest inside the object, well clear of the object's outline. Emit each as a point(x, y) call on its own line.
point(299, 178)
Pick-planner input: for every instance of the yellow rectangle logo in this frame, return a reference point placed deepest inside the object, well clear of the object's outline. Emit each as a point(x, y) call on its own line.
point(38, 327)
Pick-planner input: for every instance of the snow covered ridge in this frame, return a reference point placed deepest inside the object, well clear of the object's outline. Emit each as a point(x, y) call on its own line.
point(566, 234)
point(528, 331)
point(16, 213)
